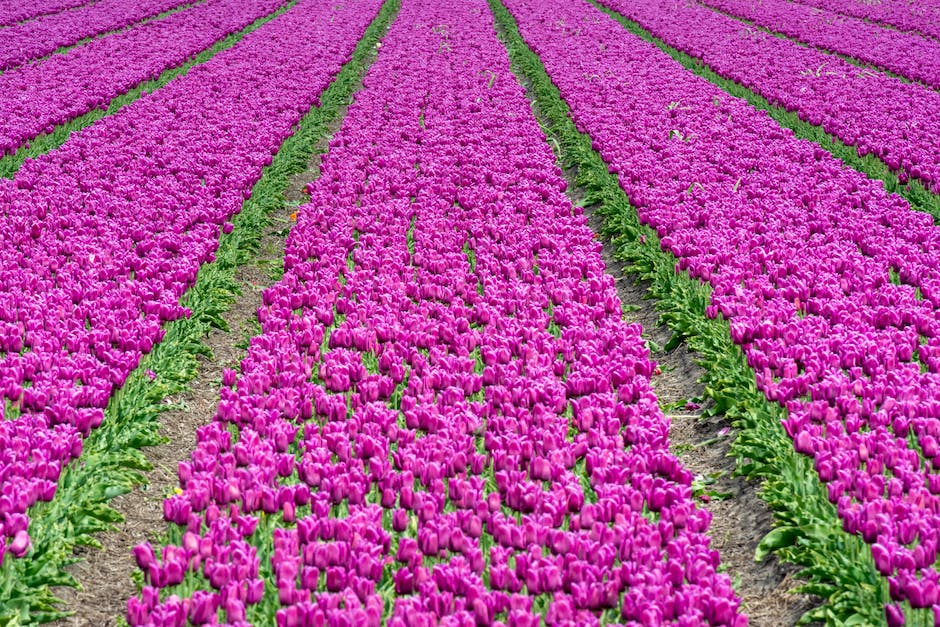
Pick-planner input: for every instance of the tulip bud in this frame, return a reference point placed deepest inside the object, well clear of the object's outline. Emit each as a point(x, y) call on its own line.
point(234, 610)
point(404, 581)
point(894, 616)
point(882, 558)
point(255, 591)
point(137, 613)
point(399, 520)
point(335, 579)
point(143, 554)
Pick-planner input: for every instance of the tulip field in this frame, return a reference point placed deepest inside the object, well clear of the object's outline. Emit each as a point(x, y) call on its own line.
point(442, 410)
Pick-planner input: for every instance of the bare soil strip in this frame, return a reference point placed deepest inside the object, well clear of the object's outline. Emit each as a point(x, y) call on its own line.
point(105, 575)
point(740, 519)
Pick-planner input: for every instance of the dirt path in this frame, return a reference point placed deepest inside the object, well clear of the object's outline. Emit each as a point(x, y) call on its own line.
point(105, 574)
point(740, 519)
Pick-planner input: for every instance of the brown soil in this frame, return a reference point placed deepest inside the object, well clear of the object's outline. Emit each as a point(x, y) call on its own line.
point(740, 519)
point(105, 575)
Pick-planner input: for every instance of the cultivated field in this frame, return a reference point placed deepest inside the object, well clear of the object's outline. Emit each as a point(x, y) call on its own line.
point(477, 312)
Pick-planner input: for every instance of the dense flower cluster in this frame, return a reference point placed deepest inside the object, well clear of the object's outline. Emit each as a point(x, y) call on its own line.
point(43, 35)
point(35, 98)
point(101, 238)
point(830, 284)
point(897, 121)
point(920, 17)
point(445, 415)
point(908, 54)
point(13, 11)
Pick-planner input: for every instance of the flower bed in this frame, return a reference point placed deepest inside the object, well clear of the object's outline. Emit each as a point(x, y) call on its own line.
point(907, 54)
point(13, 12)
point(36, 98)
point(923, 17)
point(445, 417)
point(809, 262)
point(877, 114)
point(103, 236)
point(44, 35)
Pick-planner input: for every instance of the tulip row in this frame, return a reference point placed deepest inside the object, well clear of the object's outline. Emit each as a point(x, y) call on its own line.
point(445, 417)
point(104, 235)
point(876, 113)
point(923, 17)
point(13, 11)
point(826, 280)
point(807, 533)
point(44, 35)
point(36, 98)
point(111, 461)
point(907, 54)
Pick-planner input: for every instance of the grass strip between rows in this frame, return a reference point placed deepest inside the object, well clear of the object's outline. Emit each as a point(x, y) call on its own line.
point(112, 462)
point(9, 164)
point(835, 565)
point(338, 95)
point(913, 190)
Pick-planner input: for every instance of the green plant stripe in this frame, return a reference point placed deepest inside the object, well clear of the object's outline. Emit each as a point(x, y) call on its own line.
point(112, 462)
point(914, 191)
point(42, 144)
point(835, 565)
point(312, 129)
point(84, 40)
